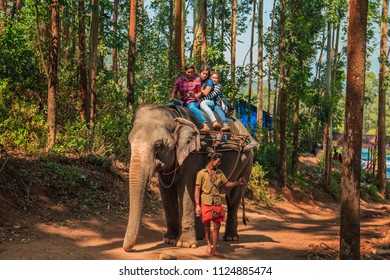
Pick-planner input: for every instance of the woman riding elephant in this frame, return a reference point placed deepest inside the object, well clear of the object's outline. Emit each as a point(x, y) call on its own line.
point(189, 88)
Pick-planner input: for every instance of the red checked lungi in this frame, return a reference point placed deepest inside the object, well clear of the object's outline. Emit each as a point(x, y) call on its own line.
point(212, 213)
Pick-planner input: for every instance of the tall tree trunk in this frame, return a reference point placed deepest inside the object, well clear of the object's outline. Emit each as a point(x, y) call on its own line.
point(101, 54)
point(16, 7)
point(381, 177)
point(271, 53)
point(178, 34)
point(3, 9)
point(198, 36)
point(282, 101)
point(203, 16)
point(213, 12)
point(2, 6)
point(251, 64)
point(115, 48)
point(183, 30)
point(131, 54)
point(295, 144)
point(233, 53)
point(260, 70)
point(93, 57)
point(350, 182)
point(294, 161)
point(275, 112)
point(84, 93)
point(328, 125)
point(171, 67)
point(317, 80)
point(222, 36)
point(52, 79)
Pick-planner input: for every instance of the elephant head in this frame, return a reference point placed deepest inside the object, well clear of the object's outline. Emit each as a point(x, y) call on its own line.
point(158, 142)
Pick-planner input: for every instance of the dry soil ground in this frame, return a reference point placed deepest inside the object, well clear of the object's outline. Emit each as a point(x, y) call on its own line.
point(58, 224)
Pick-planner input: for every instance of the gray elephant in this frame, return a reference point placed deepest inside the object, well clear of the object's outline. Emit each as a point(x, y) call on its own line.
point(163, 140)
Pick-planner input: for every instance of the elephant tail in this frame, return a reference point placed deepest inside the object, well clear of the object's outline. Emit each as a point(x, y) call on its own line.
point(245, 219)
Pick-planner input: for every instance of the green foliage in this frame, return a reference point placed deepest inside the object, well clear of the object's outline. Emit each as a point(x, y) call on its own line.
point(370, 192)
point(113, 122)
point(334, 188)
point(257, 186)
point(267, 155)
point(21, 124)
point(19, 61)
point(67, 178)
point(70, 183)
point(113, 118)
point(92, 193)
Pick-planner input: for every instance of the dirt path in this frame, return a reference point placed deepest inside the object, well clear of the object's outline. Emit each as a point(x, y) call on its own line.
point(285, 231)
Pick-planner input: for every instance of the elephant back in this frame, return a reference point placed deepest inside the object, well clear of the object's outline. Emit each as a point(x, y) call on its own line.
point(238, 138)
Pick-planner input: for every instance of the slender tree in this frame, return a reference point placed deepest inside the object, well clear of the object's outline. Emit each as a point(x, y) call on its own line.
point(4, 11)
point(84, 93)
point(199, 36)
point(93, 57)
point(270, 71)
point(295, 152)
point(131, 54)
point(251, 64)
point(351, 170)
point(178, 35)
point(234, 48)
point(101, 53)
point(328, 125)
point(381, 176)
point(171, 43)
point(183, 30)
point(115, 47)
point(213, 14)
point(3, 6)
point(260, 69)
point(53, 75)
point(16, 6)
point(222, 29)
point(282, 99)
point(203, 18)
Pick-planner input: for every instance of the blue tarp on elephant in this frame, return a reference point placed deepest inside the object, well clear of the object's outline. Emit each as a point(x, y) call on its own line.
point(241, 109)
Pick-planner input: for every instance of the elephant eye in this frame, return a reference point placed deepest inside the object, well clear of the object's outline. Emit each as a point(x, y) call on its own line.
point(158, 145)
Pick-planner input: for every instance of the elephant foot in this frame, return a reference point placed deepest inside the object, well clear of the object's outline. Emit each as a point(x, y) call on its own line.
point(230, 238)
point(170, 238)
point(187, 240)
point(186, 244)
point(171, 241)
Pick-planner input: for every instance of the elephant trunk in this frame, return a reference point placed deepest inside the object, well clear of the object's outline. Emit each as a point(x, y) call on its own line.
point(141, 170)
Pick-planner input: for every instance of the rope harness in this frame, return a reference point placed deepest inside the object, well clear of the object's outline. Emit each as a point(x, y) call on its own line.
point(174, 176)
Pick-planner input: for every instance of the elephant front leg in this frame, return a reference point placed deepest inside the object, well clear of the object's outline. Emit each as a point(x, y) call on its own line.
point(187, 237)
point(171, 210)
point(233, 203)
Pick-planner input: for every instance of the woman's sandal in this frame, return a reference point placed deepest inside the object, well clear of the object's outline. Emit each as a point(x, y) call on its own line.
point(216, 125)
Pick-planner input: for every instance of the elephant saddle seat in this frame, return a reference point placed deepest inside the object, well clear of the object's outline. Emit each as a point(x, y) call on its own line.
point(237, 139)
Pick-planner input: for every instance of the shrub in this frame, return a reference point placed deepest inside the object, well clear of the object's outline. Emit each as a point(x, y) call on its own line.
point(258, 184)
point(267, 155)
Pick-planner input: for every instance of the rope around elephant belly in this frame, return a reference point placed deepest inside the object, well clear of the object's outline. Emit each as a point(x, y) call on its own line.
point(174, 176)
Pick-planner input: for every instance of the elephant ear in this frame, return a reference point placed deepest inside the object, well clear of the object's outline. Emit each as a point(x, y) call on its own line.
point(187, 139)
